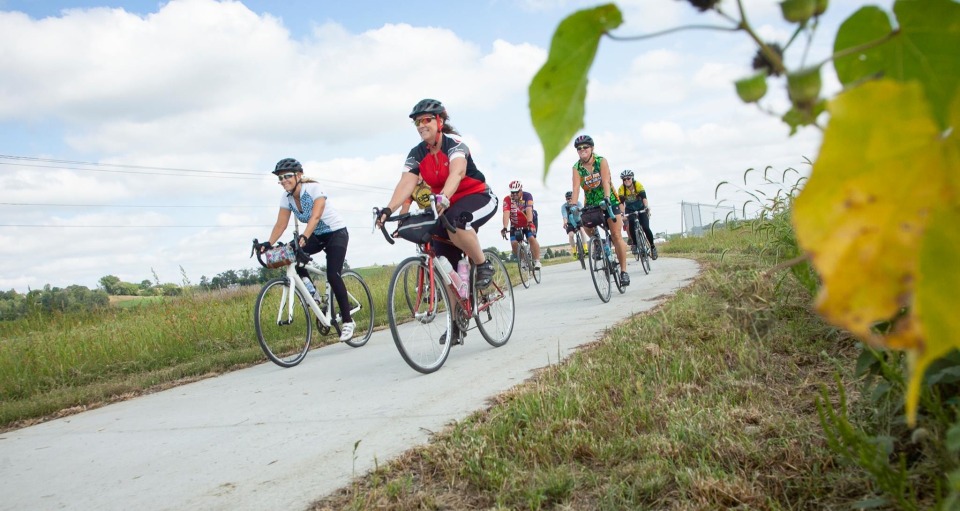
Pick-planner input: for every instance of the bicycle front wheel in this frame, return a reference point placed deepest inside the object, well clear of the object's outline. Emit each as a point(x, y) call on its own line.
point(637, 244)
point(533, 269)
point(495, 306)
point(418, 310)
point(522, 265)
point(580, 253)
point(361, 308)
point(282, 321)
point(644, 253)
point(599, 269)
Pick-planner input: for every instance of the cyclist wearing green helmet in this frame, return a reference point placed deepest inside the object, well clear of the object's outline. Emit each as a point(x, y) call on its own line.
point(591, 172)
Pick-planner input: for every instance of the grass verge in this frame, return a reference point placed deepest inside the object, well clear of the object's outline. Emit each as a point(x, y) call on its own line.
point(707, 402)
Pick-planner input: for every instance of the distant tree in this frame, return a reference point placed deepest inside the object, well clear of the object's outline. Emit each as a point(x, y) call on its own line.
point(110, 284)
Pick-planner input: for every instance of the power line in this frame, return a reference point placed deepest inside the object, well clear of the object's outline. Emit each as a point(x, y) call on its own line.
point(118, 168)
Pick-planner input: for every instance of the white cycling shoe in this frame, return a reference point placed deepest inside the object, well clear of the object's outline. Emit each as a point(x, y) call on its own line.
point(346, 330)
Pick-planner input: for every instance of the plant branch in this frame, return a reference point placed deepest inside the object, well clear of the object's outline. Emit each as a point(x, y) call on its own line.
point(775, 60)
point(670, 31)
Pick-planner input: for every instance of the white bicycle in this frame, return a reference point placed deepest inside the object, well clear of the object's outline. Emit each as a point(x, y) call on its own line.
point(282, 311)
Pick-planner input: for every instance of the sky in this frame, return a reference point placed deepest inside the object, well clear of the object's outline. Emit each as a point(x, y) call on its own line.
point(137, 138)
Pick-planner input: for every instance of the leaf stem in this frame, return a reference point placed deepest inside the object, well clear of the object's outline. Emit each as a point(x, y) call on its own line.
point(669, 31)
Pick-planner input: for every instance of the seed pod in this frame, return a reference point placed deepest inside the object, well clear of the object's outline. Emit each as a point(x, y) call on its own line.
point(804, 86)
point(798, 11)
point(752, 88)
point(821, 7)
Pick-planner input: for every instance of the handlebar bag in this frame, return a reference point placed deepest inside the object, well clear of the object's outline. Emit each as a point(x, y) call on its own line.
point(417, 228)
point(279, 256)
point(592, 216)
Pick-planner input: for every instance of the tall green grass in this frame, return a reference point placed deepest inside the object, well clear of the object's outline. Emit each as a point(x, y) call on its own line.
point(49, 363)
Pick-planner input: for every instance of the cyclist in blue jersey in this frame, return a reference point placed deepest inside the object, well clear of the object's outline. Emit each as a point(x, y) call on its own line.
point(570, 212)
point(324, 229)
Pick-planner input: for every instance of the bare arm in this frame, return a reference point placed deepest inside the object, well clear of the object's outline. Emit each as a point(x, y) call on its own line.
point(605, 177)
point(458, 170)
point(408, 181)
point(576, 185)
point(283, 219)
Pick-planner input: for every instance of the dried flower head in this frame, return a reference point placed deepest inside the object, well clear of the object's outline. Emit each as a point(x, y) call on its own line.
point(760, 61)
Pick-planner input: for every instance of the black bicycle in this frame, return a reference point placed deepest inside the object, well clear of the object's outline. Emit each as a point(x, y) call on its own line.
point(601, 254)
point(641, 248)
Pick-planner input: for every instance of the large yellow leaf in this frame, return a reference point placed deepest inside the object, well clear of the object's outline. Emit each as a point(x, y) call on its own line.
point(884, 189)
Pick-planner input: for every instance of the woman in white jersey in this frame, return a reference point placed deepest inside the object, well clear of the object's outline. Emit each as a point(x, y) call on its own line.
point(324, 229)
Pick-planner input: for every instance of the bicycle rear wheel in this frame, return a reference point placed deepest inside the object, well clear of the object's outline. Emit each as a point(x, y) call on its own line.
point(522, 264)
point(580, 254)
point(283, 328)
point(599, 269)
point(361, 308)
point(419, 313)
point(495, 306)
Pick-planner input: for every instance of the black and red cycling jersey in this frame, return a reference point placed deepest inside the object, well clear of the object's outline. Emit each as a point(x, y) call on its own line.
point(435, 168)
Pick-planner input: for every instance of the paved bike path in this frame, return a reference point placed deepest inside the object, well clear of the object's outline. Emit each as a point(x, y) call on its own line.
point(272, 438)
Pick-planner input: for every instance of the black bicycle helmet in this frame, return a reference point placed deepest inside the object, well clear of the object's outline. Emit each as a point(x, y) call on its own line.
point(568, 195)
point(583, 139)
point(626, 173)
point(288, 165)
point(427, 106)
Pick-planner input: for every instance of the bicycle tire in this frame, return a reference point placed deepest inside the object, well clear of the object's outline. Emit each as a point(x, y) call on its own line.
point(636, 237)
point(599, 269)
point(281, 340)
point(417, 330)
point(580, 254)
point(496, 309)
point(532, 271)
point(644, 254)
point(521, 264)
point(361, 308)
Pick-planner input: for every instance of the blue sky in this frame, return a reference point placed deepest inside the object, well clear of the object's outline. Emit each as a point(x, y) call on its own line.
point(183, 107)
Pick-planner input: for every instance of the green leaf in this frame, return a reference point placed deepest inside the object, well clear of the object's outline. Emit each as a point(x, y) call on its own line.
point(559, 89)
point(924, 50)
point(867, 24)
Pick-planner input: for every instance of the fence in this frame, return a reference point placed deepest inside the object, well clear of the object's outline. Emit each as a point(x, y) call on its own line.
point(696, 217)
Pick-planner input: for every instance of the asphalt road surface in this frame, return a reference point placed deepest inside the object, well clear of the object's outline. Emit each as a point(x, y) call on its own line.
point(272, 438)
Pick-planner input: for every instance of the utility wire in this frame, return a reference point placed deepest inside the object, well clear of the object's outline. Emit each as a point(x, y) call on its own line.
point(117, 168)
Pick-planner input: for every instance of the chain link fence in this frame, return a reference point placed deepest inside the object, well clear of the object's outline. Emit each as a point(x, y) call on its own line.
point(697, 218)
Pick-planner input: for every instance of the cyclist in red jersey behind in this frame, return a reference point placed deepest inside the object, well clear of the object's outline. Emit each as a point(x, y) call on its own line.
point(445, 163)
point(521, 219)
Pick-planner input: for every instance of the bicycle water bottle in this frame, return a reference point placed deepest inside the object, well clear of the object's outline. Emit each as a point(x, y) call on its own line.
point(606, 251)
point(449, 275)
point(463, 270)
point(310, 287)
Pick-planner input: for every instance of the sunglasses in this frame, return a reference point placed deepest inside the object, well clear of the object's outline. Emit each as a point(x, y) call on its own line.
point(281, 177)
point(423, 121)
point(582, 147)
